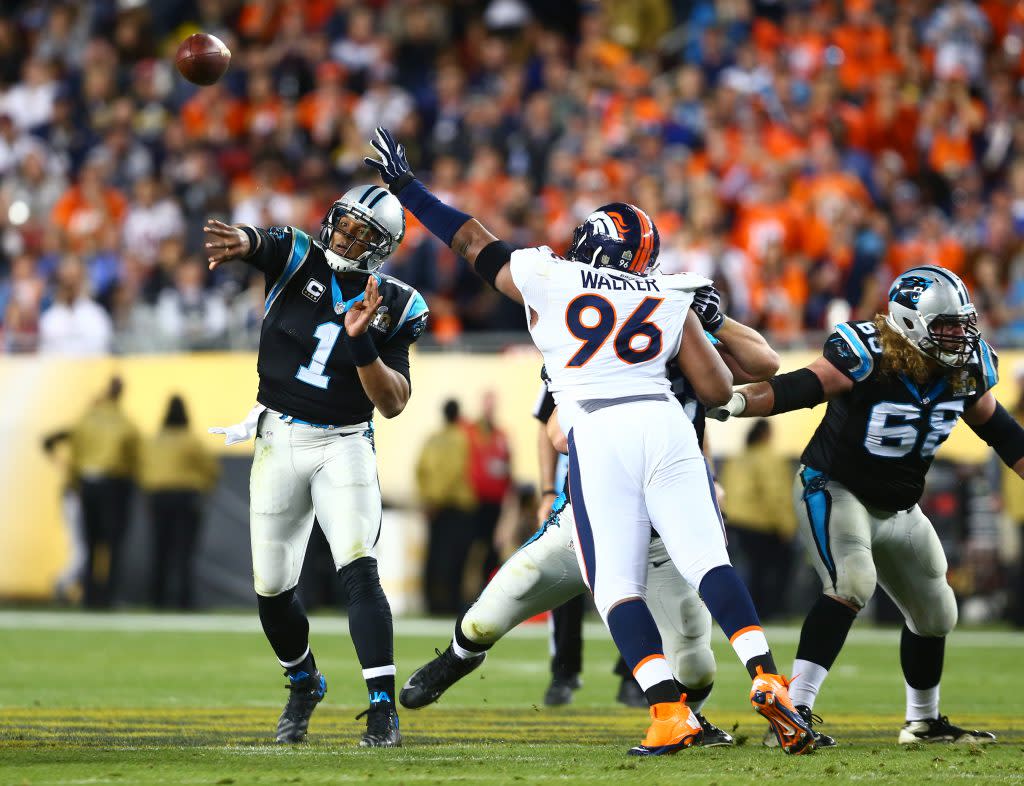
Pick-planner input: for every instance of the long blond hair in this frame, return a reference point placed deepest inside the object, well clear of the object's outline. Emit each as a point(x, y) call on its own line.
point(899, 356)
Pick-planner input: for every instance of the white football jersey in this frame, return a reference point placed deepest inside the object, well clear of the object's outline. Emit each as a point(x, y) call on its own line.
point(604, 334)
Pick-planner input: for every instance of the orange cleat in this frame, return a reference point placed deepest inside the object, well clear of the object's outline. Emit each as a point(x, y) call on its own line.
point(673, 727)
point(770, 697)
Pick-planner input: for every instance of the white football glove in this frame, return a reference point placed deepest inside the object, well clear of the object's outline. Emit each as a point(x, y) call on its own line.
point(733, 407)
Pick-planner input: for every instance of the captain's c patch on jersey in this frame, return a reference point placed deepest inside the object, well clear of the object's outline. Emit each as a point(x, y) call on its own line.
point(314, 290)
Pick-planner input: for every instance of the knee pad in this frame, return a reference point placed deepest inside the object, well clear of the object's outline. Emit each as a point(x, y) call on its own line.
point(360, 579)
point(273, 568)
point(935, 613)
point(856, 579)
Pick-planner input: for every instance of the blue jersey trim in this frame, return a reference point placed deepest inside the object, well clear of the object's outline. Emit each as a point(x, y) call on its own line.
point(818, 504)
point(300, 250)
point(341, 306)
point(416, 307)
point(988, 365)
point(867, 363)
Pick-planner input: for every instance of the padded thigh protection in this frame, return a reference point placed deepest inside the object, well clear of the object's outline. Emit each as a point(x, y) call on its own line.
point(912, 570)
point(682, 619)
point(836, 531)
point(541, 575)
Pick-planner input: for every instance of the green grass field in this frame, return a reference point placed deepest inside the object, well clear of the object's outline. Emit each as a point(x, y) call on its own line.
point(128, 699)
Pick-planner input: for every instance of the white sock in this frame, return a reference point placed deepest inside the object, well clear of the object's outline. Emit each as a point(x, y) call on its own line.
point(462, 653)
point(922, 704)
point(807, 678)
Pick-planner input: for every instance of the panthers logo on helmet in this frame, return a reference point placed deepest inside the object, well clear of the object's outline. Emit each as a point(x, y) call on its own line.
point(908, 290)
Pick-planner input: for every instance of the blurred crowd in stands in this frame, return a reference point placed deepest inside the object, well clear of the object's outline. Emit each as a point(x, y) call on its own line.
point(800, 152)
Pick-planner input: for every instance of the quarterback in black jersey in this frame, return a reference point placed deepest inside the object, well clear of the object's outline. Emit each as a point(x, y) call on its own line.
point(334, 346)
point(895, 388)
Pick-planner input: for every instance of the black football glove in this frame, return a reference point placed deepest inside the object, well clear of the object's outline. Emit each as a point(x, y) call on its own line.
point(707, 305)
point(393, 166)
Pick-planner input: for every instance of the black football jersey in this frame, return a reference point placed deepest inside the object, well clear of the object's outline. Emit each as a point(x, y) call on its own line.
point(305, 367)
point(880, 438)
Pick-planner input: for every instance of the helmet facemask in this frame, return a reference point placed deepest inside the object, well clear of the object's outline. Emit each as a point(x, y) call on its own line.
point(952, 339)
point(358, 245)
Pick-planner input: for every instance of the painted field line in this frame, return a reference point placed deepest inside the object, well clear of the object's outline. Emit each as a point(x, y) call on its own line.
point(142, 622)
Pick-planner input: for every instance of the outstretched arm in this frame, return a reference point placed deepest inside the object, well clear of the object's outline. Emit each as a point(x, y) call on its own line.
point(746, 353)
point(462, 233)
point(743, 349)
point(702, 365)
point(807, 387)
point(996, 426)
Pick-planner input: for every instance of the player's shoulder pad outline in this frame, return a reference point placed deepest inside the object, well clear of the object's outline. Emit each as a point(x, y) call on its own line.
point(298, 253)
point(414, 308)
point(854, 335)
point(988, 360)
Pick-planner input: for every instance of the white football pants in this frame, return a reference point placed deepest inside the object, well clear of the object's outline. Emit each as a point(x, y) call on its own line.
point(544, 573)
point(853, 548)
point(301, 471)
point(633, 466)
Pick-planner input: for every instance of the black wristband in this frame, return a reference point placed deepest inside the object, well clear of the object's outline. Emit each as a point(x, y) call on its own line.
point(401, 182)
point(1004, 434)
point(491, 259)
point(796, 390)
point(363, 350)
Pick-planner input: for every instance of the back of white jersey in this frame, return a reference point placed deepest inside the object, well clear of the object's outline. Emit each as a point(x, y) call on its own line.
point(603, 334)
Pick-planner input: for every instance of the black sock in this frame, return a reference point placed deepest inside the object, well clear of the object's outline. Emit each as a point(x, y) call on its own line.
point(761, 663)
point(464, 642)
point(694, 695)
point(369, 621)
point(921, 658)
point(824, 631)
point(287, 628)
point(381, 689)
point(661, 692)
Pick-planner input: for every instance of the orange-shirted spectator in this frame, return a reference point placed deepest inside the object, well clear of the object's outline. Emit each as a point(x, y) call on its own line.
point(213, 115)
point(931, 244)
point(825, 198)
point(263, 112)
point(87, 211)
point(864, 43)
point(769, 219)
point(321, 110)
point(258, 20)
point(891, 119)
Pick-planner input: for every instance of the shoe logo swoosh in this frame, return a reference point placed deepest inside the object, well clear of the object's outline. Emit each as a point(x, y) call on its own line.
point(658, 564)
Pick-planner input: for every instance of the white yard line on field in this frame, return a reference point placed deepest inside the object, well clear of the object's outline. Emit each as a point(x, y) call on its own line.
point(136, 622)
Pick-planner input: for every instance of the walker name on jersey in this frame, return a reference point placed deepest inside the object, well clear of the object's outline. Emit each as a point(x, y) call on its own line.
point(594, 279)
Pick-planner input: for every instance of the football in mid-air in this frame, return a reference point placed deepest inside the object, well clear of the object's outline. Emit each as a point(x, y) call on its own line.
point(202, 58)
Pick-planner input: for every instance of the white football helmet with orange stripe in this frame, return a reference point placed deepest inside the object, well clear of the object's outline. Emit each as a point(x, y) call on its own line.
point(620, 236)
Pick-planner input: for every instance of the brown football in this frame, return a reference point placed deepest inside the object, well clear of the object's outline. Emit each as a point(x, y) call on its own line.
point(202, 58)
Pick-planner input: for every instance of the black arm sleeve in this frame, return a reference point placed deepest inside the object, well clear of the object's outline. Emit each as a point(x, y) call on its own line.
point(545, 406)
point(492, 259)
point(796, 390)
point(1004, 434)
point(395, 355)
point(269, 249)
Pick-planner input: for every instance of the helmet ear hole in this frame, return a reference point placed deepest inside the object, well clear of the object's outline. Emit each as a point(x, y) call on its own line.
point(908, 323)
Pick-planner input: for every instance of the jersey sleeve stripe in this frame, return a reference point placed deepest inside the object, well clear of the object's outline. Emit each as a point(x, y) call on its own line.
point(867, 363)
point(416, 307)
point(300, 250)
point(991, 376)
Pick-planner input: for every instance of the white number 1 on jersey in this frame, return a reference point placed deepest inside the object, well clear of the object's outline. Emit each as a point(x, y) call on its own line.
point(326, 335)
